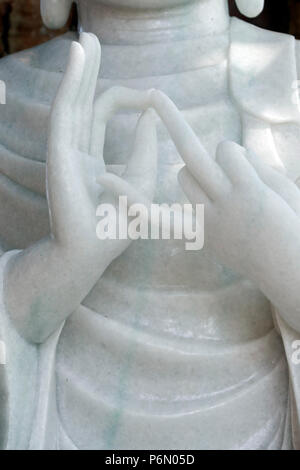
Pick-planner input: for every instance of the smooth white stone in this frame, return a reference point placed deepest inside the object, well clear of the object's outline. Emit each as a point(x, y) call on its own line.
point(163, 348)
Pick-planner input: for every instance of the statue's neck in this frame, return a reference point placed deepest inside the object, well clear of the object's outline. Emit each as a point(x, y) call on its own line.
point(142, 26)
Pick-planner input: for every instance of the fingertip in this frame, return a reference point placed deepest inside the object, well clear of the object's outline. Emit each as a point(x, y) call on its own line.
point(89, 39)
point(148, 117)
point(76, 61)
point(74, 46)
point(149, 114)
point(95, 39)
point(87, 43)
point(83, 37)
point(157, 95)
point(92, 49)
point(76, 49)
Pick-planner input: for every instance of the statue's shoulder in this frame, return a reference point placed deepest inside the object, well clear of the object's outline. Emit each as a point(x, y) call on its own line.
point(31, 80)
point(37, 70)
point(263, 72)
point(49, 55)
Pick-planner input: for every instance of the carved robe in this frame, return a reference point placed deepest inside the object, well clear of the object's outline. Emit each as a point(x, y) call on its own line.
point(156, 356)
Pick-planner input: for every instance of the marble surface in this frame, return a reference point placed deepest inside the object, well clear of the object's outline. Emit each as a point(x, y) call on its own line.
point(144, 344)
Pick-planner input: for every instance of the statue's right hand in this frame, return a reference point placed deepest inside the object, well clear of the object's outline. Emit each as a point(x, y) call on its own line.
point(75, 161)
point(46, 282)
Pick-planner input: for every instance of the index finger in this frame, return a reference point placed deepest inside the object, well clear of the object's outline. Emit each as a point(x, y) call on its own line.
point(61, 118)
point(110, 102)
point(204, 169)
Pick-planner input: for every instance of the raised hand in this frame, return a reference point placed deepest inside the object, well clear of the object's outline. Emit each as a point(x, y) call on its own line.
point(252, 212)
point(75, 161)
point(47, 282)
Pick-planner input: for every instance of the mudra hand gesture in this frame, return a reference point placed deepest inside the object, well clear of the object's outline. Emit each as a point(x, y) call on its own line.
point(75, 163)
point(47, 282)
point(252, 211)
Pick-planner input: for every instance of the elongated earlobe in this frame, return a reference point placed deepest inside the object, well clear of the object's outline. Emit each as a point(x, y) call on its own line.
point(55, 13)
point(250, 8)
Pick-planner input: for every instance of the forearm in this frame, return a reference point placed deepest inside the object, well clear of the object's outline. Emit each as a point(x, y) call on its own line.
point(45, 283)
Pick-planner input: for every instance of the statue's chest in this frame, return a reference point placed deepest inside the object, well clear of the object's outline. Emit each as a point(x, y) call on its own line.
point(158, 283)
point(163, 271)
point(202, 95)
point(167, 264)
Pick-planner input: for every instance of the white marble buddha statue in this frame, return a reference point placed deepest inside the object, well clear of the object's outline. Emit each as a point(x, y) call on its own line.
point(144, 345)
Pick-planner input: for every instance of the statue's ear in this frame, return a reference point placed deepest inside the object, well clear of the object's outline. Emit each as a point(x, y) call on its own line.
point(250, 8)
point(55, 13)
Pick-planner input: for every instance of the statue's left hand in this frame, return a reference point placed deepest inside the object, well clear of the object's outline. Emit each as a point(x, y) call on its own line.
point(252, 211)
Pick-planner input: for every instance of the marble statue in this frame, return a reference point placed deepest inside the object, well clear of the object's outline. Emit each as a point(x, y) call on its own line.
point(120, 344)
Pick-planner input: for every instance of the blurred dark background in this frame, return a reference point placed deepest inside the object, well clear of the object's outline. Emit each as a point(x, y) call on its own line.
point(21, 26)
